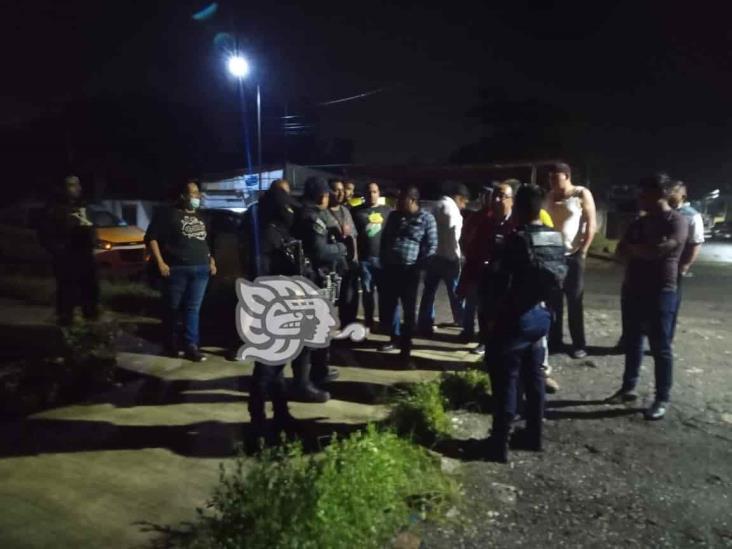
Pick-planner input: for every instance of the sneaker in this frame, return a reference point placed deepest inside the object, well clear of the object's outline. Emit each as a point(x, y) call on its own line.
point(657, 410)
point(387, 347)
point(622, 397)
point(172, 351)
point(194, 354)
point(578, 354)
point(479, 350)
point(550, 385)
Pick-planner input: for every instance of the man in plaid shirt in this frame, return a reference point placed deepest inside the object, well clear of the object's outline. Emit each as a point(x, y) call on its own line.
point(409, 238)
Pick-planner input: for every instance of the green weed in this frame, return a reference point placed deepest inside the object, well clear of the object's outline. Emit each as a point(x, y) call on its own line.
point(358, 493)
point(419, 412)
point(466, 389)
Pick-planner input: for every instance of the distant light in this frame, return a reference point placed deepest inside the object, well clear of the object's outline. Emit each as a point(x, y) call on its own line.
point(206, 12)
point(238, 66)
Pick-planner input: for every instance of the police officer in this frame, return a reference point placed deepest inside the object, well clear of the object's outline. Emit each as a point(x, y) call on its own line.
point(517, 286)
point(276, 217)
point(311, 366)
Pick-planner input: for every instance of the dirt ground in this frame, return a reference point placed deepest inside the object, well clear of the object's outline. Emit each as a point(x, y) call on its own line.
point(94, 473)
point(607, 477)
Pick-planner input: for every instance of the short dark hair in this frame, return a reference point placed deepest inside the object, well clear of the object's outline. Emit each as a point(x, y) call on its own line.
point(410, 191)
point(454, 188)
point(181, 186)
point(561, 167)
point(315, 188)
point(659, 181)
point(529, 201)
point(332, 182)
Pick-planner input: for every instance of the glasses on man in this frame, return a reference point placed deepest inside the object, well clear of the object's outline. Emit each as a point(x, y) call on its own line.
point(501, 196)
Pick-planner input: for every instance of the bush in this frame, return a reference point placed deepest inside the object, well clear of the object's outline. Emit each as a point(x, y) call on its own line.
point(419, 412)
point(358, 493)
point(466, 389)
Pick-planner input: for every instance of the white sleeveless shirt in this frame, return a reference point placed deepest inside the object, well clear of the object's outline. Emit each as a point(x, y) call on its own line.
point(567, 217)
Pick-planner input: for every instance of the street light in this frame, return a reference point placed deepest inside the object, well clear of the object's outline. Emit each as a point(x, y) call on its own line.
point(239, 68)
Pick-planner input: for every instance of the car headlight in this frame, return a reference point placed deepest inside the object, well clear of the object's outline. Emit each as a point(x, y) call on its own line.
point(104, 245)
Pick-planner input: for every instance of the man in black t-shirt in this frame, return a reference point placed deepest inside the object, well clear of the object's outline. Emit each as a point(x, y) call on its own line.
point(370, 219)
point(179, 241)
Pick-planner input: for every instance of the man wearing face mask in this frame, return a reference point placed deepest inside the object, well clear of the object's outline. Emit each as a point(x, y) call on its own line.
point(179, 241)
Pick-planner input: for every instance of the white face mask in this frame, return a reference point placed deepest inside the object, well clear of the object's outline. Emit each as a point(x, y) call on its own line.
point(194, 203)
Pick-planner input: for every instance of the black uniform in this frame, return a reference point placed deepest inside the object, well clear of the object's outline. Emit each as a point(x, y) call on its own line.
point(69, 236)
point(276, 217)
point(531, 267)
point(325, 257)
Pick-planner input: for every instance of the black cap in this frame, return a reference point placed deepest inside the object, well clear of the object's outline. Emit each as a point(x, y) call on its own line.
point(315, 187)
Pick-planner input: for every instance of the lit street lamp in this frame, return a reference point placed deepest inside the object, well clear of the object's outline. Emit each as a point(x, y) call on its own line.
point(239, 68)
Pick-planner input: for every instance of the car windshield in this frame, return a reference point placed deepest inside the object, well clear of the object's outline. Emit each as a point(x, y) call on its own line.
point(103, 219)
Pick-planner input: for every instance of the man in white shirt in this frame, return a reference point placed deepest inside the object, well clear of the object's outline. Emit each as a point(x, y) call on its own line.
point(677, 200)
point(572, 210)
point(445, 265)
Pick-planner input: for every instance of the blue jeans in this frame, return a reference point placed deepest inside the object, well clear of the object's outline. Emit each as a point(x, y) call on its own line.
point(370, 282)
point(439, 269)
point(652, 314)
point(183, 294)
point(515, 351)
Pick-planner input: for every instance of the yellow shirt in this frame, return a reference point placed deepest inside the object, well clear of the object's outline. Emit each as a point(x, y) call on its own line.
point(546, 219)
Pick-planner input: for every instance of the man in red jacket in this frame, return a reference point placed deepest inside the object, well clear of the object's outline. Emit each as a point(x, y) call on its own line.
point(482, 238)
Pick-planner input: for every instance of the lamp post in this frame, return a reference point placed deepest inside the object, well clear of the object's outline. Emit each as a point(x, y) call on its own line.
point(239, 68)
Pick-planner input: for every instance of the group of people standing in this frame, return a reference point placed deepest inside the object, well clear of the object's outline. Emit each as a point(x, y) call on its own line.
point(510, 265)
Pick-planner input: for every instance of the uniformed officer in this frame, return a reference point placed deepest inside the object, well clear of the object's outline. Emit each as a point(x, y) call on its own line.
point(276, 217)
point(520, 282)
point(310, 368)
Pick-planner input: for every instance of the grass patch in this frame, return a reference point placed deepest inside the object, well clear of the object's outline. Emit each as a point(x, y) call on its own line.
point(358, 493)
point(419, 411)
point(469, 389)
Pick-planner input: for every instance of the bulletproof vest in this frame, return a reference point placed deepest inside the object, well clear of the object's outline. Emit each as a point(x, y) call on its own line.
point(547, 257)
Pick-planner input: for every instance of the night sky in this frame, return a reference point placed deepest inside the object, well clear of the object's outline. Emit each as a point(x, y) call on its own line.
point(634, 86)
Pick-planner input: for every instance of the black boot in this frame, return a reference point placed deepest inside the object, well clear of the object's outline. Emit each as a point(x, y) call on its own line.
point(496, 449)
point(303, 389)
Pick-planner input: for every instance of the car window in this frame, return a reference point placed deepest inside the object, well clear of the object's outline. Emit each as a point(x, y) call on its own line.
point(103, 218)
